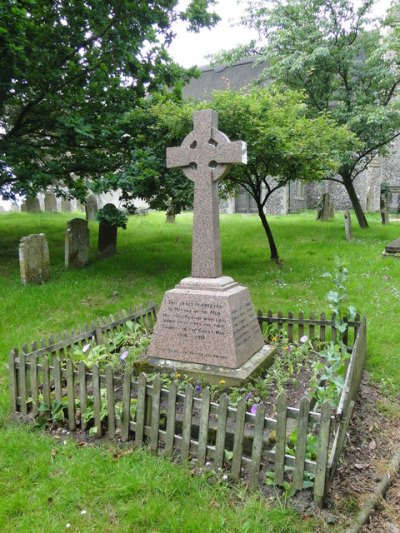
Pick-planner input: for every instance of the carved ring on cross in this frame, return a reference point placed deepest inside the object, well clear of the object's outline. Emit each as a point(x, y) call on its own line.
point(203, 155)
point(206, 151)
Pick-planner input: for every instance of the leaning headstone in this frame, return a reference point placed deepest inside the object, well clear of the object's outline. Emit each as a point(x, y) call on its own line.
point(347, 225)
point(77, 243)
point(91, 207)
point(107, 244)
point(50, 202)
point(384, 209)
point(207, 321)
point(326, 208)
point(32, 204)
point(34, 259)
point(392, 249)
point(65, 205)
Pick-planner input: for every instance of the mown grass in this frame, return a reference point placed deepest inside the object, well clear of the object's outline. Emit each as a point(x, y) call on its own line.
point(44, 484)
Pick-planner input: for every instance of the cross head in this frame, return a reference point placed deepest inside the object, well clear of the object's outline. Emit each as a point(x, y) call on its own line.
point(205, 156)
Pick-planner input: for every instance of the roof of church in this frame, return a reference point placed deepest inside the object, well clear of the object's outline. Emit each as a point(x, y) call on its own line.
point(221, 77)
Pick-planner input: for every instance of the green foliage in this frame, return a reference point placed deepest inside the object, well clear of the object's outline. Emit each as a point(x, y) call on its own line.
point(330, 373)
point(112, 215)
point(345, 68)
point(122, 349)
point(70, 71)
point(283, 142)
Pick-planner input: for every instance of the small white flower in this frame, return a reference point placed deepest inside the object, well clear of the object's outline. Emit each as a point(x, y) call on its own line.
point(86, 348)
point(67, 525)
point(83, 511)
point(304, 339)
point(124, 355)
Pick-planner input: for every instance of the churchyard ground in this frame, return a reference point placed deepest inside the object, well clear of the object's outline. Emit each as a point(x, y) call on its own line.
point(49, 484)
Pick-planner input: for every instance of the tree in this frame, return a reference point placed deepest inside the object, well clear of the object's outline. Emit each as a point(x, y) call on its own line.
point(283, 144)
point(68, 73)
point(328, 49)
point(149, 130)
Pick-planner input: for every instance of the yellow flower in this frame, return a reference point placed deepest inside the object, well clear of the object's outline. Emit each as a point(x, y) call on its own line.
point(177, 375)
point(274, 339)
point(222, 382)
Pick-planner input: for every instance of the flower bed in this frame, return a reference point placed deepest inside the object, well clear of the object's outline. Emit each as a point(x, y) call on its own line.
point(285, 444)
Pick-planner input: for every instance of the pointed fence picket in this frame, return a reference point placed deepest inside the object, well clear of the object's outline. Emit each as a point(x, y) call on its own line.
point(186, 426)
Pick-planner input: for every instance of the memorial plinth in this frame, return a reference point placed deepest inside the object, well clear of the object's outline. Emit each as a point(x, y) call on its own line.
point(208, 319)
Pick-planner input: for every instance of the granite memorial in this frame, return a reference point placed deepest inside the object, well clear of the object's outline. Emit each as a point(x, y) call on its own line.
point(208, 318)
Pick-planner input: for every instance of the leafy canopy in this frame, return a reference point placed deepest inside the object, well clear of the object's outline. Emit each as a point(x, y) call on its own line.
point(68, 73)
point(344, 65)
point(283, 142)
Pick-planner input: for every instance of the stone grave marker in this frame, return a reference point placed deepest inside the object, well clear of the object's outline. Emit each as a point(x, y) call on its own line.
point(34, 259)
point(50, 202)
point(24, 208)
point(392, 249)
point(65, 205)
point(107, 244)
point(326, 209)
point(207, 322)
point(91, 207)
point(384, 209)
point(347, 225)
point(32, 204)
point(77, 243)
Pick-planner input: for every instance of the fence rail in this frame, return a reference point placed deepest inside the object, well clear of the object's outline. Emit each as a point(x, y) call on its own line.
point(175, 423)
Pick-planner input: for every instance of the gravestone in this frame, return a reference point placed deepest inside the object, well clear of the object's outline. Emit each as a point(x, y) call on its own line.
point(77, 243)
point(384, 210)
point(347, 225)
point(91, 207)
point(326, 208)
point(107, 244)
point(50, 202)
point(34, 259)
point(392, 249)
point(24, 208)
point(32, 204)
point(207, 320)
point(65, 205)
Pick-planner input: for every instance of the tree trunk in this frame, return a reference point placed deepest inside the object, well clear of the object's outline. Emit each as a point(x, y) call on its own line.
point(358, 210)
point(270, 237)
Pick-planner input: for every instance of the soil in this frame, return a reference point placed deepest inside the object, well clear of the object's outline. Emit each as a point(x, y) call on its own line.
point(372, 440)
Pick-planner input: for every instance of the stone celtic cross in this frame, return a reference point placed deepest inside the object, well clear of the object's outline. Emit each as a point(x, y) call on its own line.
point(205, 156)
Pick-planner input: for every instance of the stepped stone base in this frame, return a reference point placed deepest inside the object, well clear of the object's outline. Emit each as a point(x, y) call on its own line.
point(207, 321)
point(214, 375)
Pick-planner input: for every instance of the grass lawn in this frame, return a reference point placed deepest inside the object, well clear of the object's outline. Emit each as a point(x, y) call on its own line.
point(45, 485)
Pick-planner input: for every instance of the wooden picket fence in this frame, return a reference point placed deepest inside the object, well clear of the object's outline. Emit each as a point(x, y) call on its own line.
point(178, 423)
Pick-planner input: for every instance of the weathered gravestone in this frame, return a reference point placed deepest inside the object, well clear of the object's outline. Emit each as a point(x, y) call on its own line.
point(32, 204)
point(347, 225)
point(208, 319)
point(326, 208)
point(392, 249)
point(107, 244)
point(34, 259)
point(50, 202)
point(65, 205)
point(77, 243)
point(384, 209)
point(91, 207)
